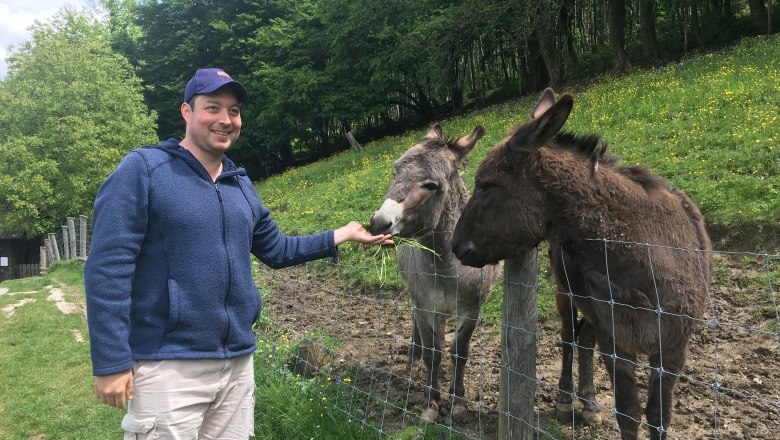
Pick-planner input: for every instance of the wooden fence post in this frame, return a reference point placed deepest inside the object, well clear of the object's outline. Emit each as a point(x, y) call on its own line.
point(72, 237)
point(83, 236)
point(44, 268)
point(65, 242)
point(49, 253)
point(55, 251)
point(518, 349)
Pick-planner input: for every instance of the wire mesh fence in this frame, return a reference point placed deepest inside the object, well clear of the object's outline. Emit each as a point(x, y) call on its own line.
point(729, 387)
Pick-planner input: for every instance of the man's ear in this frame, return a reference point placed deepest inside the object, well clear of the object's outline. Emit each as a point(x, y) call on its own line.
point(186, 111)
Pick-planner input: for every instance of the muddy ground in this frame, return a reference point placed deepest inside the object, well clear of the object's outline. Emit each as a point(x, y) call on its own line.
point(730, 390)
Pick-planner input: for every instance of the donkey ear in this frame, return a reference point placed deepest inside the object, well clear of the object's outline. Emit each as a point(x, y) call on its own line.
point(544, 103)
point(434, 132)
point(541, 129)
point(466, 143)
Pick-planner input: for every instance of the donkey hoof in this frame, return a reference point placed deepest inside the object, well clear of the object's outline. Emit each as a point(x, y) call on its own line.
point(458, 411)
point(591, 418)
point(431, 414)
point(564, 412)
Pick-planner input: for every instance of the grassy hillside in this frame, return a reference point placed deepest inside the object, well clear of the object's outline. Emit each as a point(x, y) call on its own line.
point(710, 124)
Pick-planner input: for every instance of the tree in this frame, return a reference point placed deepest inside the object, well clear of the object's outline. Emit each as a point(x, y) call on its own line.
point(548, 22)
point(649, 39)
point(758, 14)
point(72, 109)
point(616, 22)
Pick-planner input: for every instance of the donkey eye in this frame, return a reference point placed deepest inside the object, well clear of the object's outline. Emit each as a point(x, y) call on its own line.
point(482, 188)
point(430, 186)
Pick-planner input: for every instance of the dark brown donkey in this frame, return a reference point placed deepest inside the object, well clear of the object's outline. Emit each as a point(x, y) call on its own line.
point(423, 202)
point(539, 184)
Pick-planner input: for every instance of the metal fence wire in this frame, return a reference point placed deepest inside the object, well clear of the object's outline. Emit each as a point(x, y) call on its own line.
point(729, 387)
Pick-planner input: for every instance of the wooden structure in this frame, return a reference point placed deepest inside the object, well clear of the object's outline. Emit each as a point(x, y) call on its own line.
point(19, 255)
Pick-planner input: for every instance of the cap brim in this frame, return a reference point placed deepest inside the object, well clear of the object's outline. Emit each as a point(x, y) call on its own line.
point(240, 90)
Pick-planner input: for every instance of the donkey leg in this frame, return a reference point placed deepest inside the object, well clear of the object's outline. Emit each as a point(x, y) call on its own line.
point(621, 368)
point(591, 412)
point(662, 382)
point(568, 314)
point(415, 347)
point(432, 340)
point(459, 353)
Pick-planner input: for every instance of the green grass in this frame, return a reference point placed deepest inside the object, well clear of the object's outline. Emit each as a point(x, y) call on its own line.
point(46, 375)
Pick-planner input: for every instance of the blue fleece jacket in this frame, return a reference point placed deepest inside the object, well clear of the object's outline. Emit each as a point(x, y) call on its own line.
point(169, 272)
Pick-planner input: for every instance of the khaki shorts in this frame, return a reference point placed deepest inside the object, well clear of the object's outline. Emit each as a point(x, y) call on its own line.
point(200, 399)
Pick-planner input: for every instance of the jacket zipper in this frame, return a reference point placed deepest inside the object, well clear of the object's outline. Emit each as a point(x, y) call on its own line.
point(229, 268)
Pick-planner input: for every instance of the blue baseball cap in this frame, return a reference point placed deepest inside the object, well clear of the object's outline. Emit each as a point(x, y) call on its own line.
point(210, 80)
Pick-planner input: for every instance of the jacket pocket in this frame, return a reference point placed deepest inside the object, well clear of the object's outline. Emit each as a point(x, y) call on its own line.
point(173, 305)
point(140, 428)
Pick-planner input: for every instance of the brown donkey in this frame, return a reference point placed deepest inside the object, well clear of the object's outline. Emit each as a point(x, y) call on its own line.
point(423, 202)
point(542, 184)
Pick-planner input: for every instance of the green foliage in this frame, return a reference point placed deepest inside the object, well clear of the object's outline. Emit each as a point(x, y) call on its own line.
point(71, 109)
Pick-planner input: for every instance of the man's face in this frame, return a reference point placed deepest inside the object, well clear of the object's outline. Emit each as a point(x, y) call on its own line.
point(213, 121)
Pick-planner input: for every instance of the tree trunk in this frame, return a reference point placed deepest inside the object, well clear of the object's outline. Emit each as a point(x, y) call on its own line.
point(691, 24)
point(757, 13)
point(616, 22)
point(566, 24)
point(726, 8)
point(649, 39)
point(548, 52)
point(695, 24)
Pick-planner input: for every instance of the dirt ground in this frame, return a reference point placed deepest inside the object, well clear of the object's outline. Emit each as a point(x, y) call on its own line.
point(730, 388)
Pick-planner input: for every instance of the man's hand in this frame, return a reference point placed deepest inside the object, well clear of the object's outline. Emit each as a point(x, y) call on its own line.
point(353, 231)
point(115, 389)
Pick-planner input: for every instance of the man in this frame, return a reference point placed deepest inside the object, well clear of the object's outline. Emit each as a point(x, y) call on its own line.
point(170, 294)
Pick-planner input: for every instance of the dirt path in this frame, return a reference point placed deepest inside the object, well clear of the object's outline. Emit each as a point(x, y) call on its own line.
point(731, 387)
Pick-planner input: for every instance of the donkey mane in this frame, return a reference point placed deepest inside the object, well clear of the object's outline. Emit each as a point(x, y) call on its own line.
point(593, 148)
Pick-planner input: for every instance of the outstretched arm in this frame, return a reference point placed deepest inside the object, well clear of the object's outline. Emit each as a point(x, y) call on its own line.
point(353, 231)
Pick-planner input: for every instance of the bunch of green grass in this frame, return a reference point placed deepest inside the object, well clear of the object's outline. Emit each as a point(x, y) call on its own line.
point(386, 256)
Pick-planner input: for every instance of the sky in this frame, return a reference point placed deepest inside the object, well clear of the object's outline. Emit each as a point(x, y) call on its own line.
point(16, 17)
